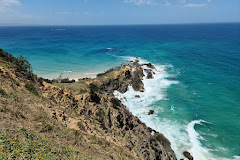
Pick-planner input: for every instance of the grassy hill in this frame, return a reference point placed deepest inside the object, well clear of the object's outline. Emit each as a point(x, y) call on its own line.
point(81, 120)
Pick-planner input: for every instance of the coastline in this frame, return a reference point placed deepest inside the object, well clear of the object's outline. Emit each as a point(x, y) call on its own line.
point(87, 112)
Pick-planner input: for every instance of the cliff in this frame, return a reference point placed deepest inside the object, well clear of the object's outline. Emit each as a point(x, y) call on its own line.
point(81, 120)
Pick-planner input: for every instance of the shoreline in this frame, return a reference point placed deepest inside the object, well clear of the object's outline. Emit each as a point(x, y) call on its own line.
point(77, 77)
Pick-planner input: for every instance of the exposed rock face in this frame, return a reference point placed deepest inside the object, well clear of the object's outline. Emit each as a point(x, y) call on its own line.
point(93, 122)
point(118, 125)
point(149, 65)
point(133, 76)
point(188, 155)
point(137, 76)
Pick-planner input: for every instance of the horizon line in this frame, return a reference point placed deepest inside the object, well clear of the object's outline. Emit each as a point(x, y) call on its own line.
point(22, 25)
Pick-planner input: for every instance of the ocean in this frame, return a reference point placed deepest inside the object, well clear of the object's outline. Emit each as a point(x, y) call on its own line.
point(195, 92)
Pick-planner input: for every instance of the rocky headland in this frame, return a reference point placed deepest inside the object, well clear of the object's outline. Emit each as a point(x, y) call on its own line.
point(80, 120)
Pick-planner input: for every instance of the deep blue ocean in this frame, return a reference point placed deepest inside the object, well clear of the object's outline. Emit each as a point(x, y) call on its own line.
point(196, 89)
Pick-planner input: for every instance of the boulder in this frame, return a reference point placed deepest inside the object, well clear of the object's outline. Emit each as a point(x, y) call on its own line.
point(137, 96)
point(188, 155)
point(150, 112)
point(149, 73)
point(149, 65)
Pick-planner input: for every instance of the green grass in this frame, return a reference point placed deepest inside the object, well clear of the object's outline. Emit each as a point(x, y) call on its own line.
point(77, 86)
point(31, 88)
point(111, 75)
point(26, 144)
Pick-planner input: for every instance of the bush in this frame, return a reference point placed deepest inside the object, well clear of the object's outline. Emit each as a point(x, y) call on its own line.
point(31, 88)
point(103, 74)
point(66, 80)
point(93, 87)
point(21, 63)
point(40, 80)
point(116, 102)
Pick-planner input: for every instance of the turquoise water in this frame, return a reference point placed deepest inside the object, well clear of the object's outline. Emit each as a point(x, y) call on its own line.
point(195, 92)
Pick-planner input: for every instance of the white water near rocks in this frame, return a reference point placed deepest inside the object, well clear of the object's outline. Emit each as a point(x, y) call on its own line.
point(183, 136)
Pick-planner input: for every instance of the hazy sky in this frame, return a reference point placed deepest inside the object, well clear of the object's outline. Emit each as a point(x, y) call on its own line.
point(100, 12)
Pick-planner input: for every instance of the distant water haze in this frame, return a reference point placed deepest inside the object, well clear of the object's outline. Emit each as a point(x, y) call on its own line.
point(195, 90)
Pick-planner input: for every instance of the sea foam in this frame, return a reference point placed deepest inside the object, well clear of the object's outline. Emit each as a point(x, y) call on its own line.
point(183, 136)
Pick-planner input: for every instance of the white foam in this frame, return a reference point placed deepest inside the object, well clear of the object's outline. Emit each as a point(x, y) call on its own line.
point(236, 157)
point(68, 71)
point(172, 108)
point(197, 151)
point(182, 135)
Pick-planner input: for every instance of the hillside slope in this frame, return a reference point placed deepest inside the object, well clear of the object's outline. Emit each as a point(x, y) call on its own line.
point(81, 120)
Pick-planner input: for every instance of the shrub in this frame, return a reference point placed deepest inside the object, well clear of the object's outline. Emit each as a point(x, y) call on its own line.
point(103, 74)
point(93, 87)
point(21, 63)
point(31, 88)
point(116, 102)
point(40, 80)
point(66, 80)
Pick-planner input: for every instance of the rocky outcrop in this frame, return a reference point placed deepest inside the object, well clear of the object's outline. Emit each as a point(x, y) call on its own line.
point(93, 122)
point(137, 77)
point(110, 119)
point(113, 119)
point(149, 73)
point(149, 65)
point(188, 155)
point(150, 112)
point(129, 75)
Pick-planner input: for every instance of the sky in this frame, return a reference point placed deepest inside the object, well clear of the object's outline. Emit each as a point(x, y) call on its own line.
point(117, 12)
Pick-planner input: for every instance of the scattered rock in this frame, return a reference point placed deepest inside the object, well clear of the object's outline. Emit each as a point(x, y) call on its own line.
point(150, 112)
point(137, 96)
point(149, 73)
point(149, 65)
point(188, 155)
point(137, 59)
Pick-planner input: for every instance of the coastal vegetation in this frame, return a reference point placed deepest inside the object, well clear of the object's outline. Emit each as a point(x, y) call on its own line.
point(41, 119)
point(21, 63)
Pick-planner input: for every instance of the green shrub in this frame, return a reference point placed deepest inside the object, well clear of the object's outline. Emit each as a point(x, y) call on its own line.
point(66, 80)
point(31, 88)
point(93, 87)
point(40, 80)
point(116, 102)
point(21, 63)
point(105, 73)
